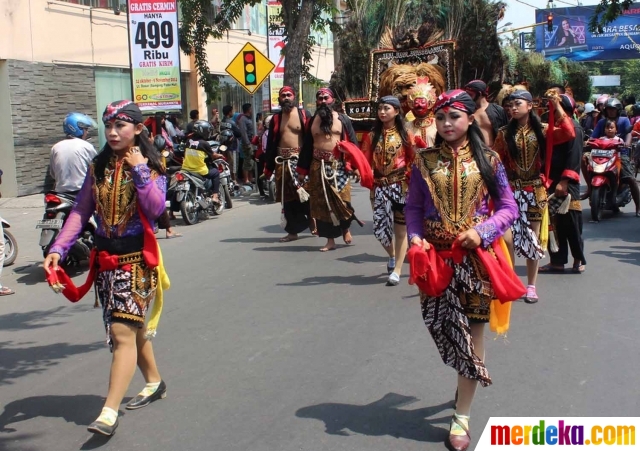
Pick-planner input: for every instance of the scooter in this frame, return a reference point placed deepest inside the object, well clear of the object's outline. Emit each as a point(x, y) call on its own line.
point(10, 244)
point(604, 165)
point(57, 207)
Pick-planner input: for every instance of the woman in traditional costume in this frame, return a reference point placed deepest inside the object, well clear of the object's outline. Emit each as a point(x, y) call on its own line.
point(458, 206)
point(126, 187)
point(525, 146)
point(389, 150)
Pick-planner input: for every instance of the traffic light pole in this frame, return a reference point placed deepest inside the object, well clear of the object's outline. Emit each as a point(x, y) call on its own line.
point(522, 28)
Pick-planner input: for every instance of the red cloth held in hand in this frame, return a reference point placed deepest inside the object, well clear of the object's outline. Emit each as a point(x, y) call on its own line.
point(429, 271)
point(360, 162)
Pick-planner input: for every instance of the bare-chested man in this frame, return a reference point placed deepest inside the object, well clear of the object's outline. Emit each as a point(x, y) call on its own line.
point(328, 170)
point(285, 138)
point(489, 116)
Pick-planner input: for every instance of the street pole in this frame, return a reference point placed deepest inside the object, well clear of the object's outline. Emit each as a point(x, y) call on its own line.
point(522, 28)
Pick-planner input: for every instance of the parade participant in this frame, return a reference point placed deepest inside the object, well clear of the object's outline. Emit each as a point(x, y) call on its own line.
point(489, 116)
point(284, 141)
point(421, 99)
point(125, 187)
point(612, 111)
point(565, 181)
point(448, 210)
point(328, 169)
point(389, 150)
point(526, 153)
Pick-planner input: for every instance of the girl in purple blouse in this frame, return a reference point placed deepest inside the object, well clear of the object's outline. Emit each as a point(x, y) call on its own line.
point(124, 182)
point(459, 191)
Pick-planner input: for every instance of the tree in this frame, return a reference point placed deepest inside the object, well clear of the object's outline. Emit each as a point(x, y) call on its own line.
point(200, 21)
point(606, 12)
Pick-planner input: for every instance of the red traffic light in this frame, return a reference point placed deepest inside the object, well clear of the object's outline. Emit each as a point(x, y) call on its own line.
point(550, 22)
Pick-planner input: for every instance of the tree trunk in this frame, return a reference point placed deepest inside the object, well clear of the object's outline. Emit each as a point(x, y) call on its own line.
point(297, 34)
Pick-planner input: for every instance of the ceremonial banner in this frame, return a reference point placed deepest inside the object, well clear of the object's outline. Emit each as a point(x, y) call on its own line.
point(276, 45)
point(155, 54)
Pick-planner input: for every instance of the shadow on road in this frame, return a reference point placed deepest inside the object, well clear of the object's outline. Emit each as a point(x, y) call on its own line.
point(77, 409)
point(363, 258)
point(263, 240)
point(624, 254)
point(16, 362)
point(33, 274)
point(382, 417)
point(342, 280)
point(36, 319)
point(282, 248)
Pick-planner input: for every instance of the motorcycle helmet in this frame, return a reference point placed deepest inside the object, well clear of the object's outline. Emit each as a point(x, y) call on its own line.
point(589, 108)
point(635, 109)
point(613, 103)
point(602, 99)
point(226, 136)
point(75, 124)
point(202, 129)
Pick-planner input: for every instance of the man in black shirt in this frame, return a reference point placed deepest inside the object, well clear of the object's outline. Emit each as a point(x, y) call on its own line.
point(194, 115)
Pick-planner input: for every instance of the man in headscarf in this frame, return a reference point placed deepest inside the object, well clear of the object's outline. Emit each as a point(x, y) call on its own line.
point(284, 141)
point(421, 99)
point(489, 116)
point(328, 169)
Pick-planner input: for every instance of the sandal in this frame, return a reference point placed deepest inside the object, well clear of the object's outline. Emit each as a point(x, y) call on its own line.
point(579, 268)
point(551, 269)
point(6, 291)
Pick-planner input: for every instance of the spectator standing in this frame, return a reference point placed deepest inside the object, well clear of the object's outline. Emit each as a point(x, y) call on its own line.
point(246, 126)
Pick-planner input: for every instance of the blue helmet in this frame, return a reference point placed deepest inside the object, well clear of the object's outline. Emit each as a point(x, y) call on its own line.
point(76, 123)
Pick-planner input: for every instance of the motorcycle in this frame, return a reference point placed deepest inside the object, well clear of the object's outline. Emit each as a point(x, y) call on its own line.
point(604, 165)
point(227, 185)
point(193, 192)
point(57, 207)
point(10, 245)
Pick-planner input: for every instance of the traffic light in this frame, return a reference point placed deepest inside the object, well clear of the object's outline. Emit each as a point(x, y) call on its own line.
point(550, 22)
point(249, 58)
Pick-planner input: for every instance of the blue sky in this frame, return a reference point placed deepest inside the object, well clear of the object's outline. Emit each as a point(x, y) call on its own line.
point(519, 14)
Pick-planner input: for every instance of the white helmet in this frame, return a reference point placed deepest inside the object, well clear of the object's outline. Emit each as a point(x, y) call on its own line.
point(588, 108)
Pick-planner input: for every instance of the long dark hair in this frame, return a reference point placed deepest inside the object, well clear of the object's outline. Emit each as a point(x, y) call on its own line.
point(146, 148)
point(536, 125)
point(398, 122)
point(479, 151)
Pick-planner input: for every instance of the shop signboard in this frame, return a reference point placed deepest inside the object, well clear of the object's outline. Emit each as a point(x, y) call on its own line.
point(276, 46)
point(154, 54)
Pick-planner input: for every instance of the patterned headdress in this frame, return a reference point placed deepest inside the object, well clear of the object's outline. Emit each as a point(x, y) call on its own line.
point(123, 110)
point(423, 89)
point(457, 99)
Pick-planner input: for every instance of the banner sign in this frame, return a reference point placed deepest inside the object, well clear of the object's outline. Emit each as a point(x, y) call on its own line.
point(570, 37)
point(155, 54)
point(276, 45)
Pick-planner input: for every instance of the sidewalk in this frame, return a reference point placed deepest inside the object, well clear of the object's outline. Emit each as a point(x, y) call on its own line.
point(19, 203)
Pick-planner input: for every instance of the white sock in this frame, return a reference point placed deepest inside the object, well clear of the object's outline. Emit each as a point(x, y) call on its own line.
point(149, 389)
point(108, 416)
point(456, 429)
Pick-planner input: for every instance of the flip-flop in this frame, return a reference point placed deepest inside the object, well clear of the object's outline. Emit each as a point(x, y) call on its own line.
point(550, 269)
point(6, 291)
point(578, 269)
point(175, 235)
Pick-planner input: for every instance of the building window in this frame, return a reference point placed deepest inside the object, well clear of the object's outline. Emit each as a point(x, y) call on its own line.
point(99, 3)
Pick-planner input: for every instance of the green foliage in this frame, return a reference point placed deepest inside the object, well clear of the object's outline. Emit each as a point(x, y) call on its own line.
point(200, 22)
point(576, 76)
point(606, 12)
point(629, 71)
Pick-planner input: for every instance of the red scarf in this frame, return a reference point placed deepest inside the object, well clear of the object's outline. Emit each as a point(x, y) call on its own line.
point(432, 275)
point(359, 161)
point(105, 262)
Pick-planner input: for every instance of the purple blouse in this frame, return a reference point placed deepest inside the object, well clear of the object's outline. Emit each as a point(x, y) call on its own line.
point(420, 206)
point(151, 194)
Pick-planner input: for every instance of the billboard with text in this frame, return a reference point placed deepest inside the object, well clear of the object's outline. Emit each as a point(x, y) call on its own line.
point(570, 37)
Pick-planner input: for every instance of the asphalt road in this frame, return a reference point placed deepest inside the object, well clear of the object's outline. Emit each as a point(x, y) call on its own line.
point(278, 347)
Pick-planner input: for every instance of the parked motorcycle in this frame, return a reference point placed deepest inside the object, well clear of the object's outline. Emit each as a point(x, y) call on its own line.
point(10, 245)
point(604, 165)
point(57, 207)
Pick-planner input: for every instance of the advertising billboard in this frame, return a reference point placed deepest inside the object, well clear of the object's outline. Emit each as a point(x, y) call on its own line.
point(570, 37)
point(155, 54)
point(276, 45)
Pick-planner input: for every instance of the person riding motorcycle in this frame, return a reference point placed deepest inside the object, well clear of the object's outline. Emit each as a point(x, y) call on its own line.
point(70, 158)
point(196, 152)
point(612, 110)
